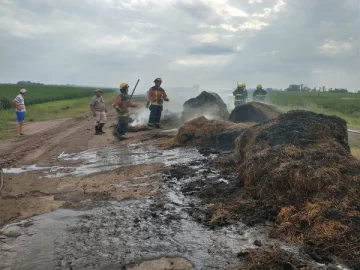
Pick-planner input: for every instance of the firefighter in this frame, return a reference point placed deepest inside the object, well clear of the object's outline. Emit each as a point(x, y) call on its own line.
point(122, 105)
point(259, 94)
point(156, 96)
point(240, 94)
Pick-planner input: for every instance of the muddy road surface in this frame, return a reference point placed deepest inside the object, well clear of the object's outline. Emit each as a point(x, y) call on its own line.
point(73, 200)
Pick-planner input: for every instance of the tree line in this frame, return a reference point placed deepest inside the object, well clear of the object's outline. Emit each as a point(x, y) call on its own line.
point(304, 88)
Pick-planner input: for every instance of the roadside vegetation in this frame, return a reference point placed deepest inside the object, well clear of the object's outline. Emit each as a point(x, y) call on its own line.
point(344, 105)
point(45, 103)
point(43, 93)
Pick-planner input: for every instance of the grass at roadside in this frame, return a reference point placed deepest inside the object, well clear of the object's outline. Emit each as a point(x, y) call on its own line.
point(48, 111)
point(354, 141)
point(37, 94)
point(355, 152)
point(344, 103)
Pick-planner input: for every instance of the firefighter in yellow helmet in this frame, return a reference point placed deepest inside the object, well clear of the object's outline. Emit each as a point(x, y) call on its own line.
point(240, 94)
point(122, 105)
point(259, 94)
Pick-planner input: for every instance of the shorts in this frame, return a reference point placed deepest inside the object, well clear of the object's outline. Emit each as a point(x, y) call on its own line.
point(100, 118)
point(20, 117)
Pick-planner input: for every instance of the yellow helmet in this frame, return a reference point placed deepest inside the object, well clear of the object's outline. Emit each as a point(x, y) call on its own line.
point(124, 84)
point(241, 85)
point(259, 86)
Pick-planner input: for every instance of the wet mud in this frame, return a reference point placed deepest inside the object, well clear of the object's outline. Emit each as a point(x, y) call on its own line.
point(119, 234)
point(167, 228)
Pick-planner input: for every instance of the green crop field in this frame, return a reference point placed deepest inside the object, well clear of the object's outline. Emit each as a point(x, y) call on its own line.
point(42, 93)
point(344, 105)
point(45, 102)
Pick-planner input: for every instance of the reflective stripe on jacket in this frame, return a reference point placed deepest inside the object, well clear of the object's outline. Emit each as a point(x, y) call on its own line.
point(156, 95)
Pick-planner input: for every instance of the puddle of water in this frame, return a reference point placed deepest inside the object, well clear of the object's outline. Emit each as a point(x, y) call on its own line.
point(121, 233)
point(36, 245)
point(224, 181)
point(26, 169)
point(106, 159)
point(124, 232)
point(170, 130)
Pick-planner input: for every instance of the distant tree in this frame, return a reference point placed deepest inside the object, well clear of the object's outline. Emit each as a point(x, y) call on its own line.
point(28, 83)
point(339, 90)
point(314, 89)
point(323, 88)
point(293, 87)
point(306, 89)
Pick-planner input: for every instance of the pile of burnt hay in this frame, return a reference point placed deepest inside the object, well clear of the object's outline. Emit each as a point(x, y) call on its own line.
point(299, 165)
point(207, 104)
point(254, 112)
point(272, 257)
point(201, 131)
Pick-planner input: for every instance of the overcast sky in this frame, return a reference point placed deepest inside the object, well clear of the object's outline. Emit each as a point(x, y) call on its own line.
point(213, 43)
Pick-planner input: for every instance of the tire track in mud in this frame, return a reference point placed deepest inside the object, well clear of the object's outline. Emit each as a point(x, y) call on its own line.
point(15, 152)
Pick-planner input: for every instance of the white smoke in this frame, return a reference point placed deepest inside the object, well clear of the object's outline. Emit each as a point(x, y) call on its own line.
point(177, 97)
point(140, 116)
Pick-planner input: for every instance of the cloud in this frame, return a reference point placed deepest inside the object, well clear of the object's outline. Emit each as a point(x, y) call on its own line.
point(332, 47)
point(206, 38)
point(211, 62)
point(205, 42)
point(210, 49)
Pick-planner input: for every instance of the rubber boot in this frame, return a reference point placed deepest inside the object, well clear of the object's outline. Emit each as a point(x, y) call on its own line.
point(101, 128)
point(97, 132)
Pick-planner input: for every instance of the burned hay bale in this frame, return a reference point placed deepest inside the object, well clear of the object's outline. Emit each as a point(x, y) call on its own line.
point(254, 112)
point(207, 104)
point(272, 258)
point(301, 164)
point(202, 131)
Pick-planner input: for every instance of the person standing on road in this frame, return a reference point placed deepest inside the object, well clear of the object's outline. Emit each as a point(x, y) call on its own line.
point(156, 96)
point(98, 109)
point(19, 104)
point(121, 105)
